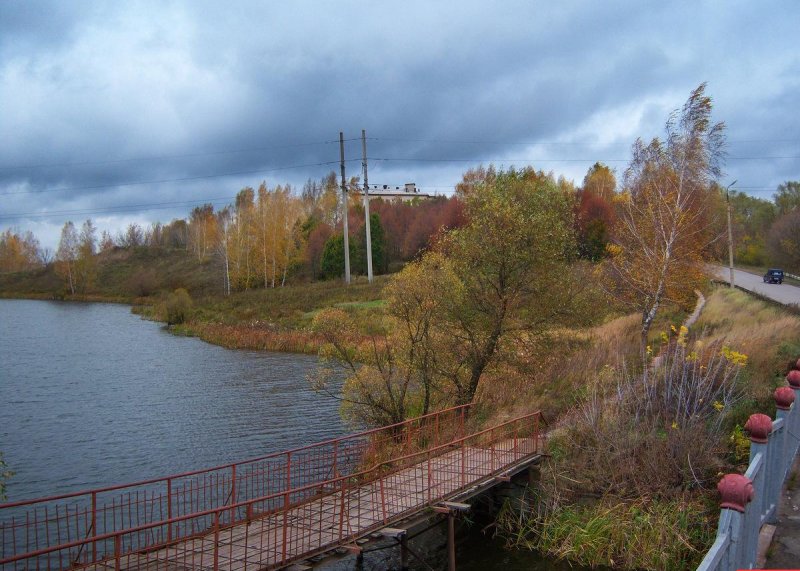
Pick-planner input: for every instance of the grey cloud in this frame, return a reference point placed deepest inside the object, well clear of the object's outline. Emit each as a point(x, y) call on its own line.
point(94, 82)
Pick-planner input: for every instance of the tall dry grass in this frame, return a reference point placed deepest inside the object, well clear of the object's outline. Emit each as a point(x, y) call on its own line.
point(767, 334)
point(553, 376)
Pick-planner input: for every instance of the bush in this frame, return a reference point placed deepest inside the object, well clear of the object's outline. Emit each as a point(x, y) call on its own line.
point(177, 307)
point(143, 282)
point(641, 534)
point(659, 433)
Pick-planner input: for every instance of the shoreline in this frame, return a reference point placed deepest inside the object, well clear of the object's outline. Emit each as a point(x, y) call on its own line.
point(239, 336)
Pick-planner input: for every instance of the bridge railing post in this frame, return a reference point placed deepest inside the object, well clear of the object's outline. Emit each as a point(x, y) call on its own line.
point(169, 510)
point(428, 486)
point(286, 499)
point(94, 526)
point(117, 552)
point(335, 468)
point(216, 540)
point(233, 494)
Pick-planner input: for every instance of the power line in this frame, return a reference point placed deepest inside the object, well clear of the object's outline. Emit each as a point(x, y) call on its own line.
point(114, 209)
point(541, 160)
point(332, 141)
point(535, 142)
point(176, 156)
point(181, 179)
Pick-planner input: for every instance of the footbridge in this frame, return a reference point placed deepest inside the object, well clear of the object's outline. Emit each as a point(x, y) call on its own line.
point(276, 510)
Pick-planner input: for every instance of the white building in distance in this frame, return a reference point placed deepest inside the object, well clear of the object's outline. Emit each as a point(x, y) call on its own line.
point(405, 193)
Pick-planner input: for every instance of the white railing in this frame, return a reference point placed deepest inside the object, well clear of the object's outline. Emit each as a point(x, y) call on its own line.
point(751, 500)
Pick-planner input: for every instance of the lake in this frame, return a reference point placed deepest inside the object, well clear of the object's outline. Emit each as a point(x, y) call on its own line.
point(91, 395)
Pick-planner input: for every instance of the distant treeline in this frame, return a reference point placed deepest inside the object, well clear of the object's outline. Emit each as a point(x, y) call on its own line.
point(271, 236)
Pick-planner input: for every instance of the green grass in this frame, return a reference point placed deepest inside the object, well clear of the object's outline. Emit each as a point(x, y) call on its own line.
point(291, 306)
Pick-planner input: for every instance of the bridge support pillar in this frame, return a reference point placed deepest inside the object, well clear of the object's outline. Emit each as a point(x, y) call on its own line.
point(451, 509)
point(399, 535)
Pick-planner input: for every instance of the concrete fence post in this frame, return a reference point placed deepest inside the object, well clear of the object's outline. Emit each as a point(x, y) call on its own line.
point(736, 493)
point(784, 451)
point(759, 426)
point(793, 427)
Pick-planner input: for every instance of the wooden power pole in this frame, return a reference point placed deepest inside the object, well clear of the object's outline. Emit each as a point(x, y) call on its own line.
point(366, 203)
point(344, 205)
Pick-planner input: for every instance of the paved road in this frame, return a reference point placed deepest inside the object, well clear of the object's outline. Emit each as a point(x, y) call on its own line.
point(783, 293)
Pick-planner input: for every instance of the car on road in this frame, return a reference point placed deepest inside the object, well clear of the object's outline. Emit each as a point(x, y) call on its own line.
point(773, 276)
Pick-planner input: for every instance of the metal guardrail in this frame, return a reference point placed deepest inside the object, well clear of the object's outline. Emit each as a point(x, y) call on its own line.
point(751, 500)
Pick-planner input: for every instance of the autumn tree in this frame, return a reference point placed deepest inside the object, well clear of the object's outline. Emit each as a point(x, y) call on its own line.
point(241, 238)
point(132, 237)
point(202, 231)
point(276, 227)
point(67, 255)
point(511, 265)
point(85, 266)
point(106, 241)
point(224, 224)
point(474, 178)
point(392, 374)
point(321, 199)
point(788, 197)
point(316, 234)
point(500, 282)
point(752, 219)
point(783, 241)
point(19, 251)
point(601, 182)
point(664, 220)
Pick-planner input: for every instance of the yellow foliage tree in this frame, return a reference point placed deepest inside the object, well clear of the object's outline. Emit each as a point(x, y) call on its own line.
point(664, 220)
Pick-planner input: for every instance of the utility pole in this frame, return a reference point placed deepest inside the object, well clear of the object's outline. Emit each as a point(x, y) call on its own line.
point(344, 202)
point(366, 203)
point(730, 232)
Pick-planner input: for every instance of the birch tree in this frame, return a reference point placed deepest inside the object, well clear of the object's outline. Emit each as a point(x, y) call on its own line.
point(224, 226)
point(67, 254)
point(665, 221)
point(86, 263)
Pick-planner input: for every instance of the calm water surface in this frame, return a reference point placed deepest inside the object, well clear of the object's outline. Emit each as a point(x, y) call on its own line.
point(92, 395)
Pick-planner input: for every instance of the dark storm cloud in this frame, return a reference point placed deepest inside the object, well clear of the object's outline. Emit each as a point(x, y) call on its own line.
point(193, 90)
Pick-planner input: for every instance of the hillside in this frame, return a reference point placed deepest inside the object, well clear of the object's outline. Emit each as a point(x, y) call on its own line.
point(123, 275)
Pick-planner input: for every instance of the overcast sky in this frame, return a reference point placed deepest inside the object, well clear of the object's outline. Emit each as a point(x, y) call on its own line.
point(138, 111)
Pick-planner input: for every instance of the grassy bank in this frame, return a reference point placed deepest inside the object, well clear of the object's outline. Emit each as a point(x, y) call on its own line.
point(263, 319)
point(275, 319)
point(631, 479)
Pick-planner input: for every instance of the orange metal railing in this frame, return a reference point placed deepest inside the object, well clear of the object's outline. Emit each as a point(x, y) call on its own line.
point(195, 517)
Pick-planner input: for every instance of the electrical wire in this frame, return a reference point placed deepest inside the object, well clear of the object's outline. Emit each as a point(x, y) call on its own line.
point(181, 179)
point(115, 209)
point(177, 156)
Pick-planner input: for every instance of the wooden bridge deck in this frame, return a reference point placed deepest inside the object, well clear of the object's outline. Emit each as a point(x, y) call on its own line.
point(320, 524)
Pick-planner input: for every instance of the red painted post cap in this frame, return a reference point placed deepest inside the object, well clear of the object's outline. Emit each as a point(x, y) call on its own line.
point(794, 378)
point(759, 426)
point(736, 491)
point(784, 397)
